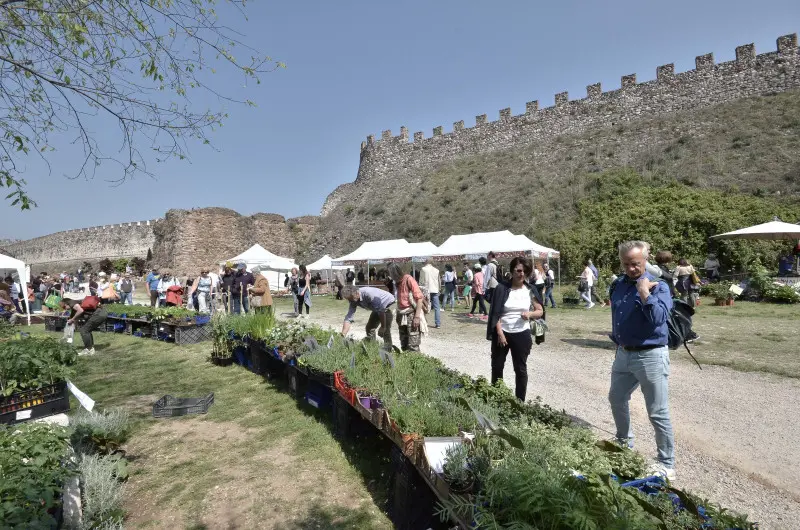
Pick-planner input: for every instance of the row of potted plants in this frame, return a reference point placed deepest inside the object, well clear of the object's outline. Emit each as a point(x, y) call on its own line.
point(522, 464)
point(173, 314)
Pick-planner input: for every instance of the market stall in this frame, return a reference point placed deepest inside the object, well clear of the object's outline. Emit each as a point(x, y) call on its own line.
point(12, 265)
point(775, 230)
point(271, 264)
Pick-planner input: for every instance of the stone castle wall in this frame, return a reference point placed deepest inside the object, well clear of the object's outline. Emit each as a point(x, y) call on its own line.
point(183, 241)
point(187, 240)
point(68, 250)
point(707, 85)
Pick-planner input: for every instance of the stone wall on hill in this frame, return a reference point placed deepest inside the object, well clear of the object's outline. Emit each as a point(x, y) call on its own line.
point(68, 250)
point(187, 240)
point(389, 162)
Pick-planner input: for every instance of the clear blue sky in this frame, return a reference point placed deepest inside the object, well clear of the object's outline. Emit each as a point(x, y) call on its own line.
point(358, 67)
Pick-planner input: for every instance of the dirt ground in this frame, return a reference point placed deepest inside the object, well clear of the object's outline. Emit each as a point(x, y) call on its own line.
point(737, 441)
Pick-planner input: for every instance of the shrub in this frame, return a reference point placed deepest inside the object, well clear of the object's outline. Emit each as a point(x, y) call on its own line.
point(102, 490)
point(31, 474)
point(101, 432)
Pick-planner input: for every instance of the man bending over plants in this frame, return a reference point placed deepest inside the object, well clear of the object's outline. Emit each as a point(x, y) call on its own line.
point(80, 304)
point(640, 308)
point(378, 301)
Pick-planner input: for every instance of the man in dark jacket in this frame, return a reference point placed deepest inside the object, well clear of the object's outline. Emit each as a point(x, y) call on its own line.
point(241, 281)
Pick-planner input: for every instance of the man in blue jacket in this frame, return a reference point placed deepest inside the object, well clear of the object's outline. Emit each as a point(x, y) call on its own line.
point(640, 307)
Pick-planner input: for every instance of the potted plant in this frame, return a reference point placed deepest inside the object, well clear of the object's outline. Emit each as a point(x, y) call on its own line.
point(457, 470)
point(571, 296)
point(721, 293)
point(221, 352)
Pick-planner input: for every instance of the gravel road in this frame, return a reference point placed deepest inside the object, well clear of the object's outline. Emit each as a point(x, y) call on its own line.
point(737, 436)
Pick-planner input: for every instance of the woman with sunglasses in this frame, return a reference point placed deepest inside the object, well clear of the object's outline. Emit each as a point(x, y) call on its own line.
point(515, 305)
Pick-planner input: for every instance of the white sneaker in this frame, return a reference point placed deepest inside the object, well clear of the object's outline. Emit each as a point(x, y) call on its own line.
point(86, 351)
point(660, 470)
point(590, 306)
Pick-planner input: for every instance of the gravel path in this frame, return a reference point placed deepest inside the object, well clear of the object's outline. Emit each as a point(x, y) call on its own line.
point(736, 434)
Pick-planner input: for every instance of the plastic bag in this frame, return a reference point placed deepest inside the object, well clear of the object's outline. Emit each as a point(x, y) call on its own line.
point(52, 301)
point(69, 333)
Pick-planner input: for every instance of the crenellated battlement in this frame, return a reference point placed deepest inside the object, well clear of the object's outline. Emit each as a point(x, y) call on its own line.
point(708, 83)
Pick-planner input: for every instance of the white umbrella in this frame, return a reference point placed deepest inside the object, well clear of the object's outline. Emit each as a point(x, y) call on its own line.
point(772, 230)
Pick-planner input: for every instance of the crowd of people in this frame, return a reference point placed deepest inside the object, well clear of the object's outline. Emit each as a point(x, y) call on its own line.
point(515, 321)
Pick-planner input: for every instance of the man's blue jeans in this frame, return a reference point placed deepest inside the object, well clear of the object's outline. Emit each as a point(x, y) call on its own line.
point(239, 306)
point(650, 370)
point(125, 298)
point(437, 309)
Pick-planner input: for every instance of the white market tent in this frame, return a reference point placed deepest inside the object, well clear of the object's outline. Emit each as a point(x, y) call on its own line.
point(271, 265)
point(537, 250)
point(419, 252)
point(773, 230)
point(7, 263)
point(374, 252)
point(325, 264)
point(503, 243)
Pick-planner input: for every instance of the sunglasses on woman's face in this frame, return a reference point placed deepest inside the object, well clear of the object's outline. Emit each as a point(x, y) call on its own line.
point(519, 271)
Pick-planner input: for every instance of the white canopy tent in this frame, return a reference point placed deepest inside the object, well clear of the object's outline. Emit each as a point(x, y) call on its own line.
point(271, 265)
point(503, 243)
point(773, 230)
point(420, 252)
point(537, 250)
point(325, 264)
point(374, 252)
point(7, 263)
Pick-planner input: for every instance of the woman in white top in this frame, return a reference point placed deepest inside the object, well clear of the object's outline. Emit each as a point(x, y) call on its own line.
point(514, 306)
point(587, 279)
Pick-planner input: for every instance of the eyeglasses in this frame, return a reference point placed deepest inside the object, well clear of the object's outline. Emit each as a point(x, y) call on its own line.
point(520, 271)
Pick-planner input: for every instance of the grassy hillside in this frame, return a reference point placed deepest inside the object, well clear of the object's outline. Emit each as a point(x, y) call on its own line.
point(750, 146)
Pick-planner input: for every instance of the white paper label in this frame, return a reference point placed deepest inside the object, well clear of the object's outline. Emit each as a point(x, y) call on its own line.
point(24, 414)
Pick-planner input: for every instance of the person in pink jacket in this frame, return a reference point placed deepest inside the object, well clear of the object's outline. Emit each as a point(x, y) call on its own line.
point(478, 293)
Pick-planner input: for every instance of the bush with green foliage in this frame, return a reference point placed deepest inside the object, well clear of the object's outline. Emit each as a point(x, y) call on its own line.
point(101, 490)
point(34, 362)
point(621, 205)
point(101, 432)
point(32, 473)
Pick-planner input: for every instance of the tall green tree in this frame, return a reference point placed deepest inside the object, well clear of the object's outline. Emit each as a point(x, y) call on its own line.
point(69, 64)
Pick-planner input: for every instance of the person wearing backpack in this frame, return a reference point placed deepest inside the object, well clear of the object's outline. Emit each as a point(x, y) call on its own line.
point(91, 305)
point(640, 310)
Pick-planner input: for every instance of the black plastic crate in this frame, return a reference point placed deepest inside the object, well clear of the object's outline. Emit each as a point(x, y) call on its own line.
point(411, 502)
point(342, 417)
point(169, 406)
point(54, 323)
point(33, 404)
point(259, 358)
point(192, 334)
point(297, 381)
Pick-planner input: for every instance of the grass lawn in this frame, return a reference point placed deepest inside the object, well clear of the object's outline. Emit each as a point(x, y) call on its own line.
point(747, 336)
point(256, 460)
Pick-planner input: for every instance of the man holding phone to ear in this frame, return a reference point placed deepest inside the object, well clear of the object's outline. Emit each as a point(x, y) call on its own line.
point(640, 309)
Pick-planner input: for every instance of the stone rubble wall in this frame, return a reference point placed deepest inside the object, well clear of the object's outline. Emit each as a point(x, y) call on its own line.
point(67, 250)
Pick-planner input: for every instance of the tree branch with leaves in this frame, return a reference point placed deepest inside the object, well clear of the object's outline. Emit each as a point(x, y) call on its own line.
point(68, 65)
